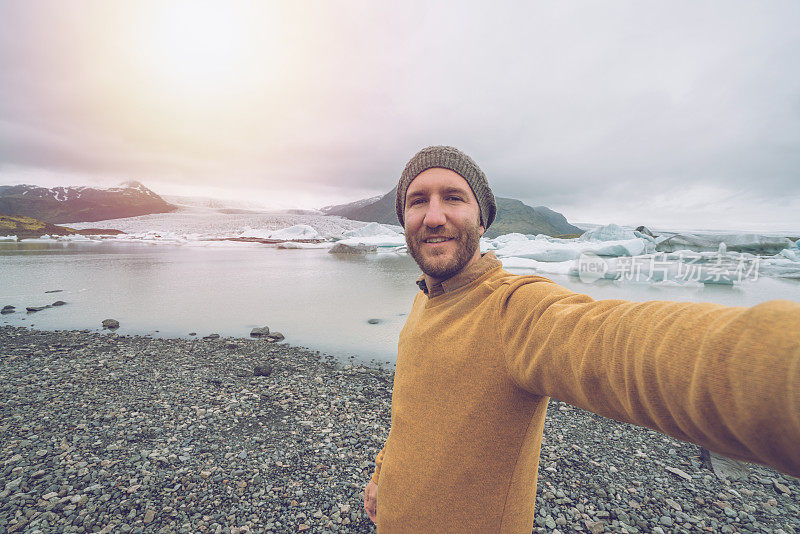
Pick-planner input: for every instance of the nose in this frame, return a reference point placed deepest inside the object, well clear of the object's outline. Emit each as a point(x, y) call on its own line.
point(434, 215)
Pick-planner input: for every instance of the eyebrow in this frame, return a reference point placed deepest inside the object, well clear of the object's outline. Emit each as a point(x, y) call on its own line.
point(446, 191)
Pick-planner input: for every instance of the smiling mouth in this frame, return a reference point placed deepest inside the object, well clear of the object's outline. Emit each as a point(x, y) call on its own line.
point(434, 240)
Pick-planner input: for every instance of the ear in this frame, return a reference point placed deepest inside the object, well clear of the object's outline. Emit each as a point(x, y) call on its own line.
point(482, 230)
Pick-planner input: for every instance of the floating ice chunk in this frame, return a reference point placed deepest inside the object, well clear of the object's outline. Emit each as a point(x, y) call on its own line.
point(790, 254)
point(371, 230)
point(395, 240)
point(8, 238)
point(785, 264)
point(298, 231)
point(78, 237)
point(294, 244)
point(295, 232)
point(757, 244)
point(548, 267)
point(557, 250)
point(610, 232)
point(486, 244)
point(508, 238)
point(44, 238)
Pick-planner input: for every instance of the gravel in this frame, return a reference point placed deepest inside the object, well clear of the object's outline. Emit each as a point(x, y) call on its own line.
point(108, 433)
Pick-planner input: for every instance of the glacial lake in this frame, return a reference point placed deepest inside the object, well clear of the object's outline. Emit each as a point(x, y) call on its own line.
point(317, 300)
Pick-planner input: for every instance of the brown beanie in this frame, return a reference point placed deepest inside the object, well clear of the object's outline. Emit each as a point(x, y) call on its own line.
point(448, 157)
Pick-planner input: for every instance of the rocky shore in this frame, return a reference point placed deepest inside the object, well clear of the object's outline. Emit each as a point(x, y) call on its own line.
point(109, 433)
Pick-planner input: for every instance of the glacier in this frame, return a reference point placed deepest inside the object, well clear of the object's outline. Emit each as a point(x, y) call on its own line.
point(609, 252)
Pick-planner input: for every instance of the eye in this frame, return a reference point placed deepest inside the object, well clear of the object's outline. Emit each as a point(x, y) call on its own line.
point(416, 201)
point(455, 198)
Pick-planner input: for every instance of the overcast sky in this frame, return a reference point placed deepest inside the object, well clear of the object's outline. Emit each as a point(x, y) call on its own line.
point(668, 114)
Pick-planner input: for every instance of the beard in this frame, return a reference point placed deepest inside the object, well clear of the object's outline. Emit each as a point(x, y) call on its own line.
point(446, 265)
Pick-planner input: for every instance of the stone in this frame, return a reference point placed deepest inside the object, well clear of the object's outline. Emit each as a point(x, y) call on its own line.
point(595, 527)
point(723, 467)
point(149, 516)
point(259, 331)
point(373, 321)
point(781, 487)
point(262, 370)
point(211, 336)
point(673, 504)
point(679, 472)
point(111, 324)
point(54, 291)
point(36, 308)
point(276, 336)
point(58, 303)
point(8, 309)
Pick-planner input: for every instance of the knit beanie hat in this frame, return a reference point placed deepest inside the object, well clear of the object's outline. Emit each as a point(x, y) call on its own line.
point(448, 157)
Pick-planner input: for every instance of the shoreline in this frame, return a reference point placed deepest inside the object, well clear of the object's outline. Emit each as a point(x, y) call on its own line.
point(127, 433)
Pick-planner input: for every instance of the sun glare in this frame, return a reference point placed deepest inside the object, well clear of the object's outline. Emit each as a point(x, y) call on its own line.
point(197, 47)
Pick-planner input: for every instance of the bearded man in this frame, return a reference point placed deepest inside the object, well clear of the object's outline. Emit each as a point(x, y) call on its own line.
point(483, 350)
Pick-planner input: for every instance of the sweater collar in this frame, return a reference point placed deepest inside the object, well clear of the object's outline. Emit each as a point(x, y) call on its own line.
point(486, 263)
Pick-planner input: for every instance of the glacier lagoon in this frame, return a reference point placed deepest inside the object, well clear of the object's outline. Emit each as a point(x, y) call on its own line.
point(317, 300)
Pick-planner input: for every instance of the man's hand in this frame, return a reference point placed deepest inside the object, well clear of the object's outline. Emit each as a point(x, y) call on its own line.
point(371, 500)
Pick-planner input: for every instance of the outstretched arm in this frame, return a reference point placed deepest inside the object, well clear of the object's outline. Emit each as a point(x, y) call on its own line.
point(725, 378)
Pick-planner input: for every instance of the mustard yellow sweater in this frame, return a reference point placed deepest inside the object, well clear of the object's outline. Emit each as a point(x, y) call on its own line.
point(479, 357)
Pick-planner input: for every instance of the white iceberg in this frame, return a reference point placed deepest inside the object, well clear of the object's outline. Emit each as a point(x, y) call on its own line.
point(543, 248)
point(371, 230)
point(790, 253)
point(292, 233)
point(385, 240)
point(296, 245)
point(298, 231)
point(8, 238)
point(755, 243)
point(546, 267)
point(510, 238)
point(609, 232)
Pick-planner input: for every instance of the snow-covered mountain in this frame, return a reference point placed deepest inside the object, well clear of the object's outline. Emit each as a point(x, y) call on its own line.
point(80, 204)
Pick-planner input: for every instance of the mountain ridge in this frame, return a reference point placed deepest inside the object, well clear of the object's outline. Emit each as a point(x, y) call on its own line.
point(513, 216)
point(80, 203)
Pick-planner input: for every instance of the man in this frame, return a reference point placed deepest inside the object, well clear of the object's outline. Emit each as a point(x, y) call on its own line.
point(482, 351)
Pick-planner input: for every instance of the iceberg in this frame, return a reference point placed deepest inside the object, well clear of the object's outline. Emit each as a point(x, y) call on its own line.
point(8, 238)
point(371, 230)
point(298, 231)
point(292, 233)
point(543, 248)
point(609, 232)
point(384, 240)
point(297, 245)
point(754, 243)
point(548, 267)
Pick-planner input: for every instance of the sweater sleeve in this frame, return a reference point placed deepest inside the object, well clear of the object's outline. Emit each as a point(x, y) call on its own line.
point(378, 464)
point(725, 378)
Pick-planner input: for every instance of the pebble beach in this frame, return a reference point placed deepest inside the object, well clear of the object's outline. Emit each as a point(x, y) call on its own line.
point(102, 432)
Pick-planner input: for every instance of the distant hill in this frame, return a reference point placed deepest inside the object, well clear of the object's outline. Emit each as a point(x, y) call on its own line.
point(80, 204)
point(512, 216)
point(27, 227)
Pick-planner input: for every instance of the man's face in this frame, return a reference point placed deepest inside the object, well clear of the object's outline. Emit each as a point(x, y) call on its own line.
point(442, 223)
